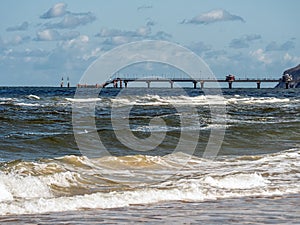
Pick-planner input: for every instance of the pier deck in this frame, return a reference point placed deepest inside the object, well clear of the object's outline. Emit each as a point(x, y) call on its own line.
point(118, 82)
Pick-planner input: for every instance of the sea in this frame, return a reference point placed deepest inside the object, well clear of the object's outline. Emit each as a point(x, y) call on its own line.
point(149, 155)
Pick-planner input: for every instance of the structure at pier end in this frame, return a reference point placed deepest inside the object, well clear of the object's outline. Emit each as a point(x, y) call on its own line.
point(290, 78)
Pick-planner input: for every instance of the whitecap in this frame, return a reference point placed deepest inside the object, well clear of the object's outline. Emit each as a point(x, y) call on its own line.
point(87, 100)
point(35, 97)
point(237, 181)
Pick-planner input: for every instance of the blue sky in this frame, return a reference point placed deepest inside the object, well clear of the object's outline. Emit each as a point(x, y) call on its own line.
point(41, 41)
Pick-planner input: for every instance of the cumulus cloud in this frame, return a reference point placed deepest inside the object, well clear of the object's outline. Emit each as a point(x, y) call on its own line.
point(213, 16)
point(216, 54)
point(76, 42)
point(114, 37)
point(16, 40)
point(71, 21)
point(161, 35)
point(71, 55)
point(273, 46)
point(36, 52)
point(22, 27)
point(32, 53)
point(54, 35)
point(244, 41)
point(261, 56)
point(47, 35)
point(142, 31)
point(58, 10)
point(92, 54)
point(199, 47)
point(291, 59)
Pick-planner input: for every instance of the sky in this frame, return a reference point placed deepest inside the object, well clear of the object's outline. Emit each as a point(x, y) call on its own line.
point(41, 41)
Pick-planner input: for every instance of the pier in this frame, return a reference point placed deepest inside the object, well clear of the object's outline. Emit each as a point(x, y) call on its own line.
point(123, 82)
point(120, 82)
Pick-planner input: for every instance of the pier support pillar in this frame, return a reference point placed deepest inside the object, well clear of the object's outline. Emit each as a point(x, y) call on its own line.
point(230, 84)
point(287, 84)
point(195, 84)
point(115, 84)
point(125, 82)
point(172, 84)
point(258, 84)
point(62, 82)
point(121, 84)
point(148, 84)
point(202, 84)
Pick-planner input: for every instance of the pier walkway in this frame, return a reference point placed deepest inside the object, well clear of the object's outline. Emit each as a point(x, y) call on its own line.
point(123, 82)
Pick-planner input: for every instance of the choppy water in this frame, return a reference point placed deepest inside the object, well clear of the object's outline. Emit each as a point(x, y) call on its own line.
point(44, 175)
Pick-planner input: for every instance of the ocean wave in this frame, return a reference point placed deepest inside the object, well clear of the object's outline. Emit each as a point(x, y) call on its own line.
point(237, 181)
point(256, 100)
point(169, 100)
point(84, 100)
point(76, 182)
point(34, 97)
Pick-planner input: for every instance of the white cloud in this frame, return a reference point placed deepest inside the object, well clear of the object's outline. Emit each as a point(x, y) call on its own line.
point(76, 42)
point(92, 54)
point(48, 35)
point(22, 27)
point(29, 53)
point(57, 10)
point(16, 40)
point(213, 16)
point(114, 37)
point(244, 41)
point(291, 59)
point(261, 56)
point(143, 31)
point(118, 40)
point(199, 47)
point(140, 32)
point(72, 21)
point(53, 35)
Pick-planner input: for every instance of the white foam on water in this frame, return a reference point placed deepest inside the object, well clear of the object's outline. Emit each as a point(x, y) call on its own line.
point(187, 190)
point(5, 195)
point(33, 97)
point(256, 100)
point(203, 179)
point(26, 104)
point(4, 101)
point(87, 100)
point(167, 100)
point(238, 181)
point(62, 179)
point(28, 187)
point(8, 99)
